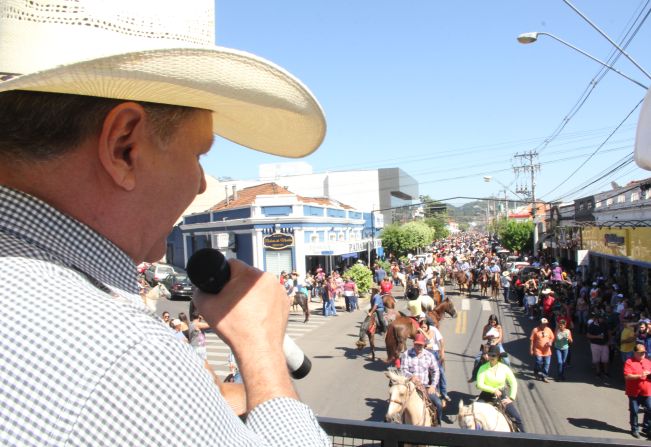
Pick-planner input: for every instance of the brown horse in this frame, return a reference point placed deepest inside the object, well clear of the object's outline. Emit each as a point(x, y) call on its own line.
point(369, 325)
point(404, 327)
point(464, 282)
point(495, 285)
point(300, 299)
point(484, 281)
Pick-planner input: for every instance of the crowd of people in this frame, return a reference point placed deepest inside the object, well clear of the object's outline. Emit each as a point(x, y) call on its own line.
point(565, 303)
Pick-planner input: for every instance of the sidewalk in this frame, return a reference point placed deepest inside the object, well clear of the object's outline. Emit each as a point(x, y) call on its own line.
point(316, 305)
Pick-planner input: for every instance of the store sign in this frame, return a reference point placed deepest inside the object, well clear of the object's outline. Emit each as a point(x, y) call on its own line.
point(278, 241)
point(611, 239)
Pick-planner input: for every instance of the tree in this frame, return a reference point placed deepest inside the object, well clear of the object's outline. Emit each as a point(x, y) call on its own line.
point(362, 275)
point(403, 239)
point(516, 235)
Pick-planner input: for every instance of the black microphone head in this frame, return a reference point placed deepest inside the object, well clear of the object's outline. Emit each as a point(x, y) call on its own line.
point(208, 270)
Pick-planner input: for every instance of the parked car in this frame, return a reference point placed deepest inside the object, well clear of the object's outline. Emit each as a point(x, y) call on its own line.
point(157, 272)
point(179, 285)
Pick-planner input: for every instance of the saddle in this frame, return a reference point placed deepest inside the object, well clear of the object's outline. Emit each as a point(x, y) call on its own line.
point(431, 408)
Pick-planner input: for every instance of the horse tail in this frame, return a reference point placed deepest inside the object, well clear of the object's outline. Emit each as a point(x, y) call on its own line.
point(391, 343)
point(305, 304)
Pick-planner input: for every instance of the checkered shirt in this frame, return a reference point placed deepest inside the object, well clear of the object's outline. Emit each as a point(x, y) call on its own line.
point(423, 366)
point(82, 366)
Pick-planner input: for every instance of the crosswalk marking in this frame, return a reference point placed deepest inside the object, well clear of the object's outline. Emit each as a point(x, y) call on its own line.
point(218, 351)
point(465, 304)
point(485, 305)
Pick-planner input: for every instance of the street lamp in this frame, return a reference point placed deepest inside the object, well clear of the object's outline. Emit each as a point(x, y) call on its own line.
point(527, 38)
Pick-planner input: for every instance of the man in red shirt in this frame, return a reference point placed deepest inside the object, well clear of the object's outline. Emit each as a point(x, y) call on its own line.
point(638, 388)
point(386, 286)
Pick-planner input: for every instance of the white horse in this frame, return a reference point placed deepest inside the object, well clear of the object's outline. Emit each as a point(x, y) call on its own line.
point(482, 416)
point(151, 297)
point(405, 404)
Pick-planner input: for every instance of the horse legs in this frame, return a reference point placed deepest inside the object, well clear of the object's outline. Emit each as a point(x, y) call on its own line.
point(371, 342)
point(306, 309)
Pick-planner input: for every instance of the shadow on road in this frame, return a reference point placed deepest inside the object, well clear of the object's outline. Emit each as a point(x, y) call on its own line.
point(378, 408)
point(593, 424)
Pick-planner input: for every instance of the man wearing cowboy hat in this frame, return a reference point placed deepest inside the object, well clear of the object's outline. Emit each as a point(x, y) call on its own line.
point(104, 105)
point(421, 367)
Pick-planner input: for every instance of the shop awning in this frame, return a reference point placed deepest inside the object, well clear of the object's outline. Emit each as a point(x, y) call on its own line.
point(349, 255)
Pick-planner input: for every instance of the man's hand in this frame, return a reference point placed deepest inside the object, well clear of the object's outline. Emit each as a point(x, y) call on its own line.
point(250, 315)
point(498, 393)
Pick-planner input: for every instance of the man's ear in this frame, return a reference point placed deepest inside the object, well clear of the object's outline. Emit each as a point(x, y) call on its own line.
point(121, 142)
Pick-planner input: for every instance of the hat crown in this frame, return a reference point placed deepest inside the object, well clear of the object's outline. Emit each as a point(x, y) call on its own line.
point(47, 33)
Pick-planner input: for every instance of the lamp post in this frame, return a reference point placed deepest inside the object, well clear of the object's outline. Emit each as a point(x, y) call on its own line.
point(527, 38)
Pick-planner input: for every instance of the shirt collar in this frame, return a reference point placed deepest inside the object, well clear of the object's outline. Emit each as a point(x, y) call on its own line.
point(60, 238)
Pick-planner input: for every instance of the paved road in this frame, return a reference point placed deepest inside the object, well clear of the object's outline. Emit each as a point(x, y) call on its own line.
point(344, 383)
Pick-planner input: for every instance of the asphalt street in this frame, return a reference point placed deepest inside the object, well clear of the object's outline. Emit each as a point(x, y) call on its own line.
point(345, 383)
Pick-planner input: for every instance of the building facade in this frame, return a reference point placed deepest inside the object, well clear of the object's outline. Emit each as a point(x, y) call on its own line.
point(274, 229)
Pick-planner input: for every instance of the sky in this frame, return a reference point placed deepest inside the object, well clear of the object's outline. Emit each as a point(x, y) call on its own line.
point(444, 91)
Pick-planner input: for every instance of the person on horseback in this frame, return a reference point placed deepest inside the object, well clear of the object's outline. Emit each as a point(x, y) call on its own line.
point(492, 378)
point(422, 367)
point(377, 308)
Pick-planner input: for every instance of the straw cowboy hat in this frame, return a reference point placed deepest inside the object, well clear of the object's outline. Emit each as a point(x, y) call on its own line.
point(160, 51)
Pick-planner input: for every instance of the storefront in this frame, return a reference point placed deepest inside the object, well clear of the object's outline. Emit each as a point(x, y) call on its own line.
point(621, 253)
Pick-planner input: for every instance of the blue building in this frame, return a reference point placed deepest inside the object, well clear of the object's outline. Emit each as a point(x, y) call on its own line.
point(273, 229)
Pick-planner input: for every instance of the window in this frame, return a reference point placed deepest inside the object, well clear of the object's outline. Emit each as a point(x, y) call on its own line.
point(621, 198)
point(647, 194)
point(609, 202)
point(598, 205)
point(635, 196)
point(332, 237)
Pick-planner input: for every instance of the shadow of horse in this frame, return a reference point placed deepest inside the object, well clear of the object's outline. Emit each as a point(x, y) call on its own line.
point(593, 424)
point(378, 408)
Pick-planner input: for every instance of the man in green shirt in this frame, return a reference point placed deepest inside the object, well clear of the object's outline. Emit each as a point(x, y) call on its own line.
point(492, 378)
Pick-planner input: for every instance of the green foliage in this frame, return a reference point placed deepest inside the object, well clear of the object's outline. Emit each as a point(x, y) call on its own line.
point(362, 275)
point(407, 238)
point(438, 224)
point(515, 235)
point(385, 264)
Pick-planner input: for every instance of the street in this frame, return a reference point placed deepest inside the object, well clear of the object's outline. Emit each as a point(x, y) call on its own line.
point(345, 383)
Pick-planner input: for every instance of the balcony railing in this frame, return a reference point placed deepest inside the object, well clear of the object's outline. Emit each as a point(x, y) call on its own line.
point(345, 432)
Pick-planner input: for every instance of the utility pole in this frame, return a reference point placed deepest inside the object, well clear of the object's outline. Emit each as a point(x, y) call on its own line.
point(527, 165)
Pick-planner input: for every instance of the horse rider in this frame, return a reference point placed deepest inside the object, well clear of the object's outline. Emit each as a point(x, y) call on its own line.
point(464, 266)
point(492, 378)
point(377, 309)
point(422, 368)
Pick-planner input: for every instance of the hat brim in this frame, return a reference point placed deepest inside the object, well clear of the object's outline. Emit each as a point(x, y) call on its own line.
point(254, 102)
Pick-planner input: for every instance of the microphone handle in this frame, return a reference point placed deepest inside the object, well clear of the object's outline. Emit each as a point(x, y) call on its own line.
point(209, 272)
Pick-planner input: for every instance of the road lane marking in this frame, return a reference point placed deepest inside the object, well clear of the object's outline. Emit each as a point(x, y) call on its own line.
point(462, 322)
point(486, 305)
point(465, 304)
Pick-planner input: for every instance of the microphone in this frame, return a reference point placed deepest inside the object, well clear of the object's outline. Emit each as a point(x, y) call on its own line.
point(209, 271)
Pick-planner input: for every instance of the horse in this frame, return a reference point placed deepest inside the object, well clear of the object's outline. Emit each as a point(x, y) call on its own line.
point(300, 299)
point(484, 281)
point(369, 325)
point(406, 406)
point(495, 285)
point(464, 282)
point(482, 416)
point(367, 330)
point(403, 328)
point(151, 296)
